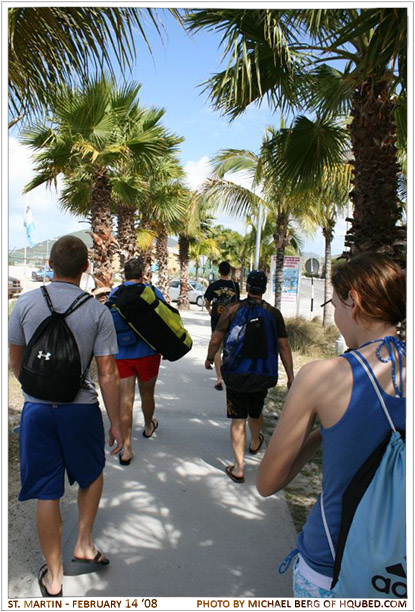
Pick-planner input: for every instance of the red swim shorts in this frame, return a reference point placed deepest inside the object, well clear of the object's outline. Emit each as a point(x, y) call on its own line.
point(144, 367)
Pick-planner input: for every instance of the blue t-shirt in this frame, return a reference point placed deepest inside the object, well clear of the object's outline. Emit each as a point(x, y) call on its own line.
point(346, 446)
point(139, 348)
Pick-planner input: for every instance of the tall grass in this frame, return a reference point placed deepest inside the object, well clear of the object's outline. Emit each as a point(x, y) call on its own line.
point(310, 338)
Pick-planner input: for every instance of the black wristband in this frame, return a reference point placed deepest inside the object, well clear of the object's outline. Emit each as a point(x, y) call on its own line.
point(209, 360)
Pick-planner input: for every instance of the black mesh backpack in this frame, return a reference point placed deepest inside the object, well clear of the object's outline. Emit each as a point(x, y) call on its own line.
point(51, 365)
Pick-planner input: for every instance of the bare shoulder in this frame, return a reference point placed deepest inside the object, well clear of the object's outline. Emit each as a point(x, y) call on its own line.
point(327, 372)
point(322, 366)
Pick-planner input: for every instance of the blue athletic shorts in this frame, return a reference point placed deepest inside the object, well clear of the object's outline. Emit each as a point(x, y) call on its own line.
point(55, 438)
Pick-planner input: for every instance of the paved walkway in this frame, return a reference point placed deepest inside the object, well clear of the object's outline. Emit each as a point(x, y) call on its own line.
point(172, 523)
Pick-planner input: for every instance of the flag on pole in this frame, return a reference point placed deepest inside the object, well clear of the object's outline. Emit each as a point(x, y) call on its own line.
point(29, 225)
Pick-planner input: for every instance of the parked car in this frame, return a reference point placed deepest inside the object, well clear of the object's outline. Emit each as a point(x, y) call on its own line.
point(196, 292)
point(42, 273)
point(15, 287)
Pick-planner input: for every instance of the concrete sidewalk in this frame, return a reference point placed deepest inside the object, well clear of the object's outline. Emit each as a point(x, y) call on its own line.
point(172, 523)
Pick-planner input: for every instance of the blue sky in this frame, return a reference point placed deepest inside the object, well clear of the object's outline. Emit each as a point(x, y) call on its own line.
point(170, 79)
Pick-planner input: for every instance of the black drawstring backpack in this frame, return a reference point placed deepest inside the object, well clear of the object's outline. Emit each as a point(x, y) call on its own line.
point(51, 366)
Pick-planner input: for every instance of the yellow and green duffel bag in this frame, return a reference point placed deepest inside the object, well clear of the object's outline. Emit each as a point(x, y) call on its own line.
point(155, 321)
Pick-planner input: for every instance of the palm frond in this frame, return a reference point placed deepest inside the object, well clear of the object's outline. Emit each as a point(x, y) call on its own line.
point(52, 46)
point(37, 136)
point(127, 189)
point(308, 149)
point(330, 91)
point(234, 160)
point(144, 239)
point(41, 178)
point(75, 196)
point(230, 198)
point(261, 61)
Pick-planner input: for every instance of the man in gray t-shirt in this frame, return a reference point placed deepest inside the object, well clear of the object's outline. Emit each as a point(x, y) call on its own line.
point(66, 437)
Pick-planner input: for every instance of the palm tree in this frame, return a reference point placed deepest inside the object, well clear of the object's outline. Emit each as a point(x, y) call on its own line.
point(267, 245)
point(50, 47)
point(88, 145)
point(280, 55)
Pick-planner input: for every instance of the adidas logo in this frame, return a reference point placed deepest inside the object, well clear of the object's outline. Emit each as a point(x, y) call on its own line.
point(387, 585)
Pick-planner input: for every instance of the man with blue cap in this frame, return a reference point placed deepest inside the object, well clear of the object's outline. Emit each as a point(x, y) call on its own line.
point(255, 334)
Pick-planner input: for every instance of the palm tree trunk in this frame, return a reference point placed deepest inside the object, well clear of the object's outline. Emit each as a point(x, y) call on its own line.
point(147, 254)
point(104, 244)
point(162, 254)
point(126, 234)
point(373, 137)
point(279, 276)
point(281, 239)
point(328, 233)
point(242, 276)
point(183, 300)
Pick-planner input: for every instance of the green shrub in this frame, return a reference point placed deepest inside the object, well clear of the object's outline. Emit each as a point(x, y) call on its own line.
point(310, 337)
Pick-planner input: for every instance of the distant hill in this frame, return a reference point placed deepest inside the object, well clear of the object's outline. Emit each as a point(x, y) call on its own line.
point(37, 254)
point(311, 255)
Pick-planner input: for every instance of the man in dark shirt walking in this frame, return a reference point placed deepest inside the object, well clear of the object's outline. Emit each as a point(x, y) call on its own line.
point(219, 294)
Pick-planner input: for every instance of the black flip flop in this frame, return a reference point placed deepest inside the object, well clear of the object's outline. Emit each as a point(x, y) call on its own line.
point(123, 461)
point(261, 442)
point(94, 561)
point(229, 472)
point(219, 387)
point(45, 593)
point(155, 425)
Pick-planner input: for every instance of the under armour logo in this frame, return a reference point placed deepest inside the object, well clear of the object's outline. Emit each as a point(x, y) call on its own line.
point(45, 356)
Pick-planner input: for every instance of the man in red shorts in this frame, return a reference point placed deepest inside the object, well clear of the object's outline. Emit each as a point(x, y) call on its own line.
point(136, 361)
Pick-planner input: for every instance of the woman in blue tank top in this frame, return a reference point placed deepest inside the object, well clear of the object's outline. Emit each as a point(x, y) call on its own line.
point(369, 299)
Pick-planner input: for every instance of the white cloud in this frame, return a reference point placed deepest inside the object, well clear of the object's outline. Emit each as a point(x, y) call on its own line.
point(197, 172)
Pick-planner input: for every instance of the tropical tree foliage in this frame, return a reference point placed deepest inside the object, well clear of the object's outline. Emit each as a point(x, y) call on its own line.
point(51, 46)
point(200, 247)
point(229, 247)
point(287, 57)
point(187, 228)
point(99, 133)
